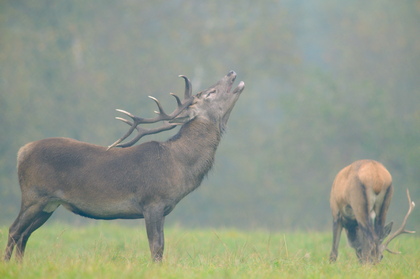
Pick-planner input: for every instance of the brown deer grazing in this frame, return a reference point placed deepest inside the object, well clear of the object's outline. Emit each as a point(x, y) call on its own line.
point(360, 197)
point(142, 181)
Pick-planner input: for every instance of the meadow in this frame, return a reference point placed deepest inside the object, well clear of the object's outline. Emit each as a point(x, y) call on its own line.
point(112, 250)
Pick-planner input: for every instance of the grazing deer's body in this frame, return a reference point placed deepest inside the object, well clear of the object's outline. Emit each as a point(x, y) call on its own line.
point(359, 200)
point(142, 181)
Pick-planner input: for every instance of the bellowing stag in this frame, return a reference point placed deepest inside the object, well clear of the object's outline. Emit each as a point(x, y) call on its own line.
point(141, 181)
point(360, 198)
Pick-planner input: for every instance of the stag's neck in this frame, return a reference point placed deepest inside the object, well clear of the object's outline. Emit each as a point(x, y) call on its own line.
point(195, 146)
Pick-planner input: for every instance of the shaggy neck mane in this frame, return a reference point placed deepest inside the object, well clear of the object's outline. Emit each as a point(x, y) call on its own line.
point(195, 144)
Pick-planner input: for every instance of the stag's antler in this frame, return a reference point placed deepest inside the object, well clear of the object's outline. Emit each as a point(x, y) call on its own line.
point(162, 116)
point(402, 229)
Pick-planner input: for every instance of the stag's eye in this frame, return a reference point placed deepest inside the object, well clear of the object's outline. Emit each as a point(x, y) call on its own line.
point(211, 92)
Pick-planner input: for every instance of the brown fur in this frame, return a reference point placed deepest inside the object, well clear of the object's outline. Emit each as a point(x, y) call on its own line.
point(359, 200)
point(143, 181)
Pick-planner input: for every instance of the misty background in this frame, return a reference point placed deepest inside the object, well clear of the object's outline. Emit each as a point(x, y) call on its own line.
point(327, 83)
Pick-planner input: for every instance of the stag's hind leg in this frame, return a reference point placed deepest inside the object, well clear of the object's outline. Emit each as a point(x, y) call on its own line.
point(37, 222)
point(29, 219)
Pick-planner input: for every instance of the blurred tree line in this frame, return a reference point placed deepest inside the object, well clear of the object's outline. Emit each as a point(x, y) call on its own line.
point(327, 83)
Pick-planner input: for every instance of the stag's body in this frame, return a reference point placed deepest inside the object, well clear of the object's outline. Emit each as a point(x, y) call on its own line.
point(143, 181)
point(114, 182)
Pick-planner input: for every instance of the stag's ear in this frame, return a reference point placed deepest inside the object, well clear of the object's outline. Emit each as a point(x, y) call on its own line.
point(185, 116)
point(180, 120)
point(387, 230)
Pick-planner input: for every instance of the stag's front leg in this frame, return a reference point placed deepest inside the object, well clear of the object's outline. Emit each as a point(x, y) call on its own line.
point(154, 225)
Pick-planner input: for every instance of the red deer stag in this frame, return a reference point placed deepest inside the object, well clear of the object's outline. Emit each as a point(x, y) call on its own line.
point(141, 181)
point(360, 197)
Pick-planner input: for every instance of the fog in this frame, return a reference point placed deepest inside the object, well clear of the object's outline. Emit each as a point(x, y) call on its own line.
point(327, 83)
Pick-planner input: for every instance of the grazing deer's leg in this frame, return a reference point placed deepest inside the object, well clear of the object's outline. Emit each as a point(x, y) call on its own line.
point(360, 205)
point(337, 228)
point(381, 217)
point(154, 226)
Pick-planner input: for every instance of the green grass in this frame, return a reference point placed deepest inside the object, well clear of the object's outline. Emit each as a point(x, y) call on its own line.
point(112, 250)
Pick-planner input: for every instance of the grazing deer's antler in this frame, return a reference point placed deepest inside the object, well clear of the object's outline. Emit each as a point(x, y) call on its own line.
point(402, 229)
point(162, 116)
point(355, 186)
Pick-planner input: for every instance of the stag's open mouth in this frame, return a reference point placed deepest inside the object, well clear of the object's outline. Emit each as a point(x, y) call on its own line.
point(239, 88)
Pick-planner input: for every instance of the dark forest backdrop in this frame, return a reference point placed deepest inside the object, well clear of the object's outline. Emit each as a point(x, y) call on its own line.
point(327, 82)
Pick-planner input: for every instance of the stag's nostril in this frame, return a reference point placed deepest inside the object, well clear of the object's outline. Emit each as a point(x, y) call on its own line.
point(231, 73)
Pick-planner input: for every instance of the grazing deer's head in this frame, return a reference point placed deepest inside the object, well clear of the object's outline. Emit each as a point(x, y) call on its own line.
point(360, 198)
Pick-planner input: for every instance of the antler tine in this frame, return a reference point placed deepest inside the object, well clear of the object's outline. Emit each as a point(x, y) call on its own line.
point(402, 229)
point(126, 113)
point(162, 116)
point(178, 101)
point(129, 132)
point(143, 132)
point(161, 112)
point(123, 138)
point(124, 120)
point(188, 87)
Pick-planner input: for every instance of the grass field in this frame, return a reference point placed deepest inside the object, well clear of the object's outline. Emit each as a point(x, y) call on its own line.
point(112, 250)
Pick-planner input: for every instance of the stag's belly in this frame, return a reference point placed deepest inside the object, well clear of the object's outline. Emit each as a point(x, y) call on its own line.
point(122, 209)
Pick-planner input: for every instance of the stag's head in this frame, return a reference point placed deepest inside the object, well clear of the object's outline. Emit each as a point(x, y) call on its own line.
point(371, 249)
point(213, 104)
